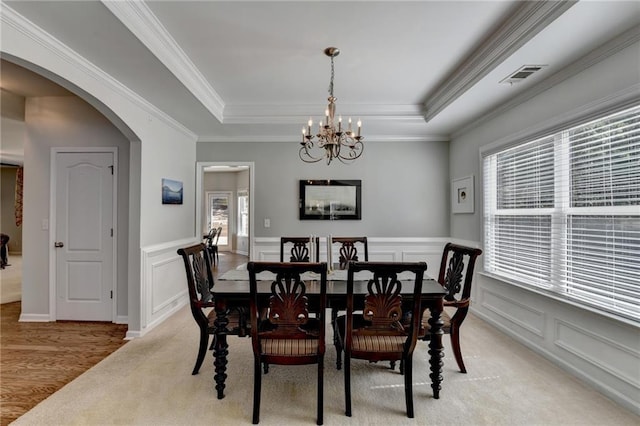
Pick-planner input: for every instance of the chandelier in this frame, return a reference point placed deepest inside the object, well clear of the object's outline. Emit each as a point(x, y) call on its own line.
point(331, 141)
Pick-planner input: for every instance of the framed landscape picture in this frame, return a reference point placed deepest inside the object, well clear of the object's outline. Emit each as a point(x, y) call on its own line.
point(171, 191)
point(330, 200)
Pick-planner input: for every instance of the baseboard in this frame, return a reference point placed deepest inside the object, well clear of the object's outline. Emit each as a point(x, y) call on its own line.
point(34, 318)
point(132, 335)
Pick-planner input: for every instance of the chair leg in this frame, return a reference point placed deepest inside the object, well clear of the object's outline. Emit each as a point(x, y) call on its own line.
point(257, 386)
point(336, 339)
point(202, 350)
point(408, 385)
point(320, 391)
point(347, 385)
point(455, 345)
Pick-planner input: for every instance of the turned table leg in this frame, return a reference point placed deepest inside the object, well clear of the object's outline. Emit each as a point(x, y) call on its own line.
point(435, 347)
point(221, 349)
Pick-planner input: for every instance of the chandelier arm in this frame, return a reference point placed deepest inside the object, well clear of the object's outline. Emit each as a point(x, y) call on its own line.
point(310, 158)
point(351, 156)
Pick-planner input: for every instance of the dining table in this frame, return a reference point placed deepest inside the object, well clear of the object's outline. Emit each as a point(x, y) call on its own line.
point(232, 290)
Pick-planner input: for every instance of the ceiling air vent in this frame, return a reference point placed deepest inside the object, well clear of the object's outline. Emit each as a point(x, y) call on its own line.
point(522, 73)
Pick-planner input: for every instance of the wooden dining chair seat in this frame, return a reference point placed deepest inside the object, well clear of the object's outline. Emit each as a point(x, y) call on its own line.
point(287, 334)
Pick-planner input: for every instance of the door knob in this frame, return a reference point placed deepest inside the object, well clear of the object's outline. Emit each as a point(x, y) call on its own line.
point(58, 244)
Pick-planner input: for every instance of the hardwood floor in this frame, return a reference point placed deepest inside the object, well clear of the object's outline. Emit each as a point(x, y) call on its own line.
point(38, 358)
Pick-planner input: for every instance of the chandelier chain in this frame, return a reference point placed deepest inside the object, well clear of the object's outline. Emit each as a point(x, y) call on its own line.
point(331, 81)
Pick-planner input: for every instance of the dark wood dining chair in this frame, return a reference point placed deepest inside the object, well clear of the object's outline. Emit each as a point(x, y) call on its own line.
point(299, 249)
point(456, 275)
point(215, 254)
point(288, 335)
point(348, 250)
point(197, 264)
point(378, 334)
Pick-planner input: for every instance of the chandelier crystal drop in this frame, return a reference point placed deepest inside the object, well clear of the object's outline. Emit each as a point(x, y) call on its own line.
point(331, 141)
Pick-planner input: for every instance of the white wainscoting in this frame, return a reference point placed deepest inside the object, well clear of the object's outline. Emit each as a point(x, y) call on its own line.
point(164, 283)
point(595, 347)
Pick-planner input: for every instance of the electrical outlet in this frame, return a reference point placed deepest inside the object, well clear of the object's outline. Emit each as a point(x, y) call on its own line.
point(267, 223)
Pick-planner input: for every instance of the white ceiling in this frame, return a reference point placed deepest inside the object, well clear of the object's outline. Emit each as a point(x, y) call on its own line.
point(255, 71)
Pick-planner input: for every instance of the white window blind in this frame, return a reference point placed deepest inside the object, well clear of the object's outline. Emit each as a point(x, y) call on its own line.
point(563, 213)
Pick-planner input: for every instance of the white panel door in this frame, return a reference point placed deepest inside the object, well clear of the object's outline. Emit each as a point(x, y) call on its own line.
point(84, 236)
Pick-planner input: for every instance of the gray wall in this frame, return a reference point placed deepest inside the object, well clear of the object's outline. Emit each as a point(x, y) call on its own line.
point(405, 189)
point(598, 348)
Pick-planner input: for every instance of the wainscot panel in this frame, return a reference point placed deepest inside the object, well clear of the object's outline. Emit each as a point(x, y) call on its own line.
point(163, 282)
point(599, 350)
point(529, 319)
point(593, 346)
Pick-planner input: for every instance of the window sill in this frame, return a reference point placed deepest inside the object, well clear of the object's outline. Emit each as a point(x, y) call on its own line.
point(559, 298)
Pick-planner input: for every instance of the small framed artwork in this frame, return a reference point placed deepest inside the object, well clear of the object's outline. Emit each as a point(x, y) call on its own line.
point(462, 200)
point(330, 200)
point(171, 191)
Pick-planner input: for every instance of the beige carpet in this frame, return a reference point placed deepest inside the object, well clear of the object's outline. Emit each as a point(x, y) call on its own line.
point(148, 382)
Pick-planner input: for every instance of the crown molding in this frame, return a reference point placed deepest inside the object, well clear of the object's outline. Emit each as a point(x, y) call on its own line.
point(140, 20)
point(287, 139)
point(604, 51)
point(522, 25)
point(10, 17)
point(299, 114)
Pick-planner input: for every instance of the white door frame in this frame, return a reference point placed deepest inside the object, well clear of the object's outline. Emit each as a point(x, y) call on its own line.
point(200, 166)
point(52, 221)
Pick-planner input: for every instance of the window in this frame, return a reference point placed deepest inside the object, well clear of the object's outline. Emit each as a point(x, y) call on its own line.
point(563, 213)
point(243, 213)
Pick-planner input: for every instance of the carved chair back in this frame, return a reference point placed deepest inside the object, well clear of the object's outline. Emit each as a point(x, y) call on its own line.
point(382, 309)
point(197, 263)
point(349, 249)
point(299, 249)
point(456, 271)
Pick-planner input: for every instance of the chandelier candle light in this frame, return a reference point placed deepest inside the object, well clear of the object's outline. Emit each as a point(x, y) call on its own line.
point(345, 145)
